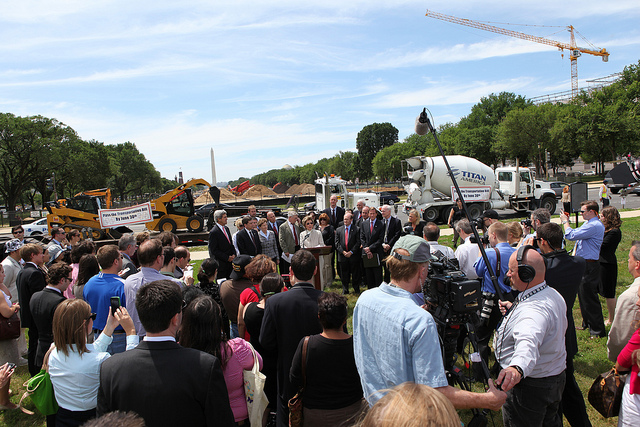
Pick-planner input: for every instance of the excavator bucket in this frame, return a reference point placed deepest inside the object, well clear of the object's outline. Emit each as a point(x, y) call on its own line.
point(215, 194)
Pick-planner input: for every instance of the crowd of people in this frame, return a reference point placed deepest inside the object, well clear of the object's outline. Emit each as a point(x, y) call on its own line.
point(127, 329)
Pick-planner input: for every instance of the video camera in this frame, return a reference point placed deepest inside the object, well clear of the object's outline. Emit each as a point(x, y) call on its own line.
point(526, 223)
point(449, 294)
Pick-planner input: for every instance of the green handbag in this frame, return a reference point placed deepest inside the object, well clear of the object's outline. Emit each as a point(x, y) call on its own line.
point(40, 389)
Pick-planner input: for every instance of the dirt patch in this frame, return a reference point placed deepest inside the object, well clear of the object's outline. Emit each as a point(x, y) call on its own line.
point(258, 191)
point(305, 189)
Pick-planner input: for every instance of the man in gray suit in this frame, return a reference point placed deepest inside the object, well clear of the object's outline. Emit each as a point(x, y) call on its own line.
point(289, 237)
point(127, 246)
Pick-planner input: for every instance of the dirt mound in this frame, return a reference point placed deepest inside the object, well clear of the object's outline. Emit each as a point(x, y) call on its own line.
point(258, 191)
point(206, 197)
point(280, 188)
point(226, 194)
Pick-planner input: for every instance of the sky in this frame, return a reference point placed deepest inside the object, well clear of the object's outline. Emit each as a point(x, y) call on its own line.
point(284, 82)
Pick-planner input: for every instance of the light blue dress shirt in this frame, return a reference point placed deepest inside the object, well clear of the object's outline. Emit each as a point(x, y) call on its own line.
point(76, 377)
point(481, 268)
point(588, 238)
point(395, 341)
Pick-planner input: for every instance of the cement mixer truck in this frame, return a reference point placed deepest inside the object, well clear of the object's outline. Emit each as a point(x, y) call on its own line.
point(430, 189)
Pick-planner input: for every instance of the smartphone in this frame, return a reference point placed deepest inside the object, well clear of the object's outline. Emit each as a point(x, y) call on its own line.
point(115, 304)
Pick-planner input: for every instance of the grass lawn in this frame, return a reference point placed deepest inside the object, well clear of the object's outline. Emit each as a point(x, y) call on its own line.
point(589, 362)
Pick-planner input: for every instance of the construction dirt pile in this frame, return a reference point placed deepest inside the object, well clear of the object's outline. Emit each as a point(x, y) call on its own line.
point(305, 189)
point(226, 194)
point(280, 188)
point(258, 191)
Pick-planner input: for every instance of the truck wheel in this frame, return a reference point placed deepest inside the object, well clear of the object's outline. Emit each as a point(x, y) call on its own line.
point(431, 214)
point(444, 215)
point(549, 203)
point(167, 224)
point(475, 210)
point(195, 224)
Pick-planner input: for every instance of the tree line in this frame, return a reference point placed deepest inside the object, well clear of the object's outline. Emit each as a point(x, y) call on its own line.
point(598, 126)
point(33, 149)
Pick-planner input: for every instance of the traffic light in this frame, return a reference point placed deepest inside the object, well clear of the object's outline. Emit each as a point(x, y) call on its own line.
point(50, 184)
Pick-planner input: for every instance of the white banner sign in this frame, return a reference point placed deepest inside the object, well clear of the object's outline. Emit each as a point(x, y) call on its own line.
point(473, 194)
point(138, 214)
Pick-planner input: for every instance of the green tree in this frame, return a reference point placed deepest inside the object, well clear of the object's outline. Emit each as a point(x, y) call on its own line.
point(370, 140)
point(131, 172)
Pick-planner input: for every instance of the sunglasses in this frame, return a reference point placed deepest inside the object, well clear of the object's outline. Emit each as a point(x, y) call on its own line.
point(93, 316)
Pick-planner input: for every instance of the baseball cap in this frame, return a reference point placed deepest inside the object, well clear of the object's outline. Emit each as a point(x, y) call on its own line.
point(490, 213)
point(418, 248)
point(238, 264)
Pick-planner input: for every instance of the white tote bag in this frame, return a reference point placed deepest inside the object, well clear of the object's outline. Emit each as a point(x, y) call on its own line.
point(254, 391)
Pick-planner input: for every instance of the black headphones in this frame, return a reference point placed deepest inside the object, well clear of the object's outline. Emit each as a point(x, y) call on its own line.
point(526, 273)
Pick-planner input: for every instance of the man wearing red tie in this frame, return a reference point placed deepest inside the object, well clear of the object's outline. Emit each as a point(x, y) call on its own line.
point(348, 250)
point(371, 237)
point(220, 244)
point(247, 239)
point(273, 226)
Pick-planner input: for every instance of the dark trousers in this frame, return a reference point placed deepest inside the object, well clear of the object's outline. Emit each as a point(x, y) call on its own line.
point(224, 269)
point(66, 418)
point(350, 271)
point(534, 402)
point(373, 276)
point(590, 302)
point(33, 350)
point(572, 404)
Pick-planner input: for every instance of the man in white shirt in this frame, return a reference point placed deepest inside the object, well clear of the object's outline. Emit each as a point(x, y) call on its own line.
point(12, 266)
point(529, 345)
point(431, 234)
point(467, 252)
point(624, 322)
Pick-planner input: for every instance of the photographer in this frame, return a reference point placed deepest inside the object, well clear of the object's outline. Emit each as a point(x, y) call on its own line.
point(538, 217)
point(467, 252)
point(498, 256)
point(487, 218)
point(403, 344)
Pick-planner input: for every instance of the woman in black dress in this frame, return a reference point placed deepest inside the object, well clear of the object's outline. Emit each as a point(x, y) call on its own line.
point(333, 393)
point(610, 218)
point(415, 224)
point(270, 285)
point(455, 215)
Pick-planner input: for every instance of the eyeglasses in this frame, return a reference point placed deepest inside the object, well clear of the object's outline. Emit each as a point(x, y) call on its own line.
point(93, 316)
point(69, 279)
point(18, 232)
point(584, 211)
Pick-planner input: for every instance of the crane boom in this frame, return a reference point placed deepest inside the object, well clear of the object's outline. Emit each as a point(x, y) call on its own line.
point(574, 50)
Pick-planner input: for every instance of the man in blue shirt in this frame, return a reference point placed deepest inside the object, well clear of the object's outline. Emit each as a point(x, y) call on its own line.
point(498, 256)
point(588, 239)
point(99, 290)
point(395, 340)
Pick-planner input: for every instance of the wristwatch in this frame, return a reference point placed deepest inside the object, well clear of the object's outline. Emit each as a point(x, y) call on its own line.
point(519, 369)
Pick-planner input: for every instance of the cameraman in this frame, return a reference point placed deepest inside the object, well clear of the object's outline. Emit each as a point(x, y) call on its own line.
point(564, 273)
point(538, 217)
point(396, 341)
point(498, 256)
point(467, 252)
point(487, 218)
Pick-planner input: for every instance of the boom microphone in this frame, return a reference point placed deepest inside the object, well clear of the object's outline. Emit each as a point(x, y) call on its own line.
point(422, 123)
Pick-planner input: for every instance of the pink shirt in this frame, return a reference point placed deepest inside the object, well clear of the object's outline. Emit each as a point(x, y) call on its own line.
point(624, 360)
point(241, 359)
point(74, 274)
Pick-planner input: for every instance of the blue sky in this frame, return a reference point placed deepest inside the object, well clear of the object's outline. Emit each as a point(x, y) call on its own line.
point(282, 82)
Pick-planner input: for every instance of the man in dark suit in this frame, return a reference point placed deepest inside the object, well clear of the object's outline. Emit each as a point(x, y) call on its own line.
point(44, 303)
point(392, 231)
point(247, 239)
point(348, 250)
point(30, 280)
point(289, 317)
point(335, 212)
point(164, 383)
point(357, 212)
point(127, 247)
point(221, 244)
point(272, 224)
point(371, 237)
point(564, 273)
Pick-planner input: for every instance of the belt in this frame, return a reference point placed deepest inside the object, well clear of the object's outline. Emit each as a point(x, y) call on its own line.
point(97, 331)
point(591, 260)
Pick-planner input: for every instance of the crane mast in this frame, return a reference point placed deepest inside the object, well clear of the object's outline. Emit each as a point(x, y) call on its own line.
point(574, 50)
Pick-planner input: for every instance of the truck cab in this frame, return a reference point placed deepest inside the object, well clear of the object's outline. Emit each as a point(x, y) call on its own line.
point(518, 184)
point(330, 185)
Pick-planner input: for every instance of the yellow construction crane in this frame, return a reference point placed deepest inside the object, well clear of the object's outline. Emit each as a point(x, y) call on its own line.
point(574, 50)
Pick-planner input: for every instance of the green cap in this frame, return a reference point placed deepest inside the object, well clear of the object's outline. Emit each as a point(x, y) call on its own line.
point(417, 247)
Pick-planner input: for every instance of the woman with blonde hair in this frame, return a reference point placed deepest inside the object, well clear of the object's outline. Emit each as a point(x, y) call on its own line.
point(415, 224)
point(268, 240)
point(566, 199)
point(312, 238)
point(74, 365)
point(412, 405)
point(515, 233)
point(610, 218)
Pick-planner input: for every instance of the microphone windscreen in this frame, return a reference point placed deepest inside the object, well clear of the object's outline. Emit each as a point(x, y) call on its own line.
point(421, 128)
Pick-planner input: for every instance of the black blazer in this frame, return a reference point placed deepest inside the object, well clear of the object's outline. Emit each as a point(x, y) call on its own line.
point(29, 281)
point(245, 245)
point(393, 231)
point(219, 247)
point(352, 245)
point(610, 243)
point(127, 263)
point(289, 317)
point(167, 385)
point(418, 230)
point(42, 305)
point(564, 273)
point(339, 216)
point(276, 231)
point(373, 241)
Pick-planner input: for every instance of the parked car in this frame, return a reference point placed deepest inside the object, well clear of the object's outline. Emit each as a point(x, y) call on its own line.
point(387, 198)
point(589, 173)
point(555, 186)
point(36, 228)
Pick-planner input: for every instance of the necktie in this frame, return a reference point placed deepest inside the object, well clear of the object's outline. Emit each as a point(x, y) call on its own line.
point(346, 237)
point(371, 227)
point(252, 239)
point(295, 235)
point(274, 227)
point(225, 234)
point(386, 229)
point(333, 216)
